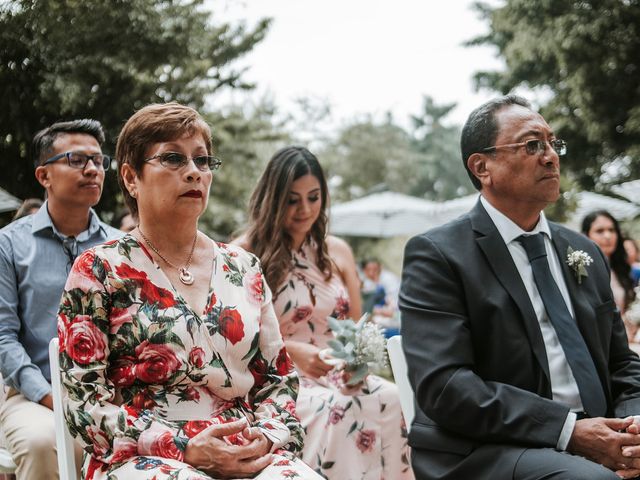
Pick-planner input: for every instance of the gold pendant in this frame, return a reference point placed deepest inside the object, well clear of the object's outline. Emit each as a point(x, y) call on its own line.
point(185, 276)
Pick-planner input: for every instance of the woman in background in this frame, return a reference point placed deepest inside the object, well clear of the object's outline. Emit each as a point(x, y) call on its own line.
point(602, 227)
point(170, 350)
point(351, 432)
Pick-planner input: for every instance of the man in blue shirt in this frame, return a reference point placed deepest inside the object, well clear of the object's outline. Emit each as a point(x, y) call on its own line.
point(36, 254)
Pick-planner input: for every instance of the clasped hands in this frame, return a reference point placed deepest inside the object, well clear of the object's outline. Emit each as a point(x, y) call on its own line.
point(208, 451)
point(612, 442)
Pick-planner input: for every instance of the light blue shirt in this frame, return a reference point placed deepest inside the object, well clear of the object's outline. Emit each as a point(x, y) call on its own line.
point(34, 266)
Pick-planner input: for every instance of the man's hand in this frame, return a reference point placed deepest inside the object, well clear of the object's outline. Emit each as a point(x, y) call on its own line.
point(631, 451)
point(209, 452)
point(602, 440)
point(47, 401)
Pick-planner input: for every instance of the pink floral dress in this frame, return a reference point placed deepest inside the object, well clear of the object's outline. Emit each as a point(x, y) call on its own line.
point(355, 435)
point(143, 372)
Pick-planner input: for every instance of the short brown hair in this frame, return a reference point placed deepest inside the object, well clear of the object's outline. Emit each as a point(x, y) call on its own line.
point(155, 123)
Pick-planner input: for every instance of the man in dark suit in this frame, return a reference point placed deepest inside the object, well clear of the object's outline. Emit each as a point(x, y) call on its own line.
point(517, 355)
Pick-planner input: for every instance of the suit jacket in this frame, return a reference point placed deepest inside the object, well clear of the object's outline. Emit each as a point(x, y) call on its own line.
point(476, 357)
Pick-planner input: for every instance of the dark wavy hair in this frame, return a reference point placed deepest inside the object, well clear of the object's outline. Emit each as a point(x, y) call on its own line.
point(618, 259)
point(266, 235)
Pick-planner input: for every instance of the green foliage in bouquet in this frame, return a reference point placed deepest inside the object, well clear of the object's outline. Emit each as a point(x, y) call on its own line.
point(362, 346)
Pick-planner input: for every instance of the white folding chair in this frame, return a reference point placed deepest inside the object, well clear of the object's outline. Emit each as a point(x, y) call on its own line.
point(399, 368)
point(64, 440)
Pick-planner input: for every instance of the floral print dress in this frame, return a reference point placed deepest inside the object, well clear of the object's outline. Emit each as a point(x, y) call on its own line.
point(355, 434)
point(143, 373)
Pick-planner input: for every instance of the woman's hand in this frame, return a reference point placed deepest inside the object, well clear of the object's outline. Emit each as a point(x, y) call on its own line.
point(209, 452)
point(307, 359)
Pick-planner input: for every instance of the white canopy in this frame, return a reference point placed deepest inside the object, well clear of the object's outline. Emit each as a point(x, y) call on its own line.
point(8, 202)
point(390, 214)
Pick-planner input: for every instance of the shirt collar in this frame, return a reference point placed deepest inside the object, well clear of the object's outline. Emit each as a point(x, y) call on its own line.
point(42, 221)
point(508, 230)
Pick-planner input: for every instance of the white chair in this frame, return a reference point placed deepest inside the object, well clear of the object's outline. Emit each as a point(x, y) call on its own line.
point(399, 368)
point(64, 440)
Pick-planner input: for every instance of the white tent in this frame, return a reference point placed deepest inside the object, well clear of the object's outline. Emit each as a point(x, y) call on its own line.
point(390, 214)
point(629, 190)
point(8, 202)
point(385, 214)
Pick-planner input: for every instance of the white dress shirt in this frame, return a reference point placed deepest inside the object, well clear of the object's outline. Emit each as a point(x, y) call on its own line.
point(563, 384)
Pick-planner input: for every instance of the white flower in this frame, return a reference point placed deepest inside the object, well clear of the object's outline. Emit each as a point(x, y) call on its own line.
point(362, 346)
point(579, 260)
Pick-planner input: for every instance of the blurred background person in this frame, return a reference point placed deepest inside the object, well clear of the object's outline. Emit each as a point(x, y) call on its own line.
point(351, 432)
point(379, 295)
point(28, 207)
point(631, 247)
point(123, 220)
point(170, 350)
point(601, 227)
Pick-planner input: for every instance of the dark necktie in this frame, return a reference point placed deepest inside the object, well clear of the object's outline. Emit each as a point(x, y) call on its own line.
point(575, 349)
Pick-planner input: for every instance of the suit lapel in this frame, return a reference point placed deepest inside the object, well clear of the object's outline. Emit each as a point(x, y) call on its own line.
point(499, 258)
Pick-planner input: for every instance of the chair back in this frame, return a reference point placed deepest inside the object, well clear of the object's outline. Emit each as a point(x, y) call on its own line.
point(399, 368)
point(64, 440)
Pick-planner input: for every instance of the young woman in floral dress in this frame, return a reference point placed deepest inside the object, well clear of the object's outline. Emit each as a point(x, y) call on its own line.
point(170, 352)
point(351, 432)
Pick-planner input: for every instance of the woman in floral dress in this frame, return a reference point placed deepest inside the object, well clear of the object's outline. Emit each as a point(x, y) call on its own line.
point(171, 357)
point(351, 432)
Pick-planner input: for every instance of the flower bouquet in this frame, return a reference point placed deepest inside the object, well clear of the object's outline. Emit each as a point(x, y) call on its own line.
point(632, 315)
point(359, 346)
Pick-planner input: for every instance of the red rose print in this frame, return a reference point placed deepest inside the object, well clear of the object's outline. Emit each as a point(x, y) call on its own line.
point(290, 407)
point(212, 303)
point(282, 463)
point(194, 427)
point(143, 400)
point(152, 294)
point(122, 373)
point(99, 440)
point(231, 326)
point(342, 309)
point(84, 264)
point(118, 317)
point(283, 362)
point(84, 342)
point(125, 272)
point(196, 357)
point(258, 369)
point(336, 414)
point(365, 440)
point(254, 287)
point(165, 447)
point(123, 448)
point(302, 313)
point(156, 362)
point(191, 393)
point(225, 268)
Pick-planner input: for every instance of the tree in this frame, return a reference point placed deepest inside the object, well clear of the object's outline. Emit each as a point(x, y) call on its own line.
point(442, 175)
point(104, 59)
point(585, 53)
point(367, 156)
point(247, 137)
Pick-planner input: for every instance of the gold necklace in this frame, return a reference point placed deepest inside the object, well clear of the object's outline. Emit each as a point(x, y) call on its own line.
point(184, 274)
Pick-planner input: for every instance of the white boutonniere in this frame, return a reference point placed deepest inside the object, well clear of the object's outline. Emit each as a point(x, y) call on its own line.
point(579, 260)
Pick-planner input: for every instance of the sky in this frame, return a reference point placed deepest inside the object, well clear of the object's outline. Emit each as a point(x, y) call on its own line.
point(365, 56)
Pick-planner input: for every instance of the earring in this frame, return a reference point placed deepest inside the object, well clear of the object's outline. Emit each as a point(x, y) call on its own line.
point(133, 194)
